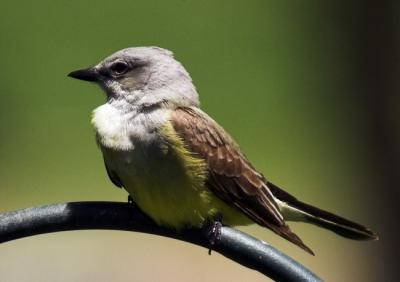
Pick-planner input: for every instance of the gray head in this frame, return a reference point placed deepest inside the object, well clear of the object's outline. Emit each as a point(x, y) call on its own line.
point(145, 76)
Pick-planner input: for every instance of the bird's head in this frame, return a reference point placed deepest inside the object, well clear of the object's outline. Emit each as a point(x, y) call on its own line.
point(142, 76)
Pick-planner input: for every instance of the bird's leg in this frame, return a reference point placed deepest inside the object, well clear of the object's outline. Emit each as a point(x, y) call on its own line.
point(130, 200)
point(212, 228)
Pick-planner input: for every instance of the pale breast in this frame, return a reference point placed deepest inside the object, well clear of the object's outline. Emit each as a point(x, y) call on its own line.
point(132, 145)
point(111, 127)
point(122, 129)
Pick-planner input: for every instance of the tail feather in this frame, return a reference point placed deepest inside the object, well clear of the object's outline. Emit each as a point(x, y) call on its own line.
point(282, 230)
point(325, 219)
point(286, 233)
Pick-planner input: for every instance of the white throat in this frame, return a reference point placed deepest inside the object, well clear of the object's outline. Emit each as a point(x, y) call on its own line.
point(122, 128)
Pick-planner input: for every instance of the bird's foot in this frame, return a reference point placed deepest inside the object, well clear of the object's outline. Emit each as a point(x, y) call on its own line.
point(212, 230)
point(130, 200)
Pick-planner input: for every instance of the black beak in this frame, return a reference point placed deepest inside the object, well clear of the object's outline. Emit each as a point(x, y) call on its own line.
point(89, 74)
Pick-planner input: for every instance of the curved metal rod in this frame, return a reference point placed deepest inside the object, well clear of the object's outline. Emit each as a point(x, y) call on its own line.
point(233, 244)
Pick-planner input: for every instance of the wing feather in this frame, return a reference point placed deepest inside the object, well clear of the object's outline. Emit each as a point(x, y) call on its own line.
point(230, 175)
point(113, 176)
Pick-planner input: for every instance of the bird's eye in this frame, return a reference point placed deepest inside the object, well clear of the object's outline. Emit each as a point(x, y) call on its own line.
point(120, 68)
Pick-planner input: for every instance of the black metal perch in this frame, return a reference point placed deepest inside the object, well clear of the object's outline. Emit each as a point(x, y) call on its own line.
point(233, 244)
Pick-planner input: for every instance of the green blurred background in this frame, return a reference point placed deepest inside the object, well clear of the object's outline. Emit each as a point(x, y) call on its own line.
point(308, 88)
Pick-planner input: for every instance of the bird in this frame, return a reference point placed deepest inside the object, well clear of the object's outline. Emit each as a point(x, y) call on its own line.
point(180, 167)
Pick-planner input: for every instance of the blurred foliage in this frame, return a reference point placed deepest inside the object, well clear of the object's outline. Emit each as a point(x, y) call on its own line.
point(280, 76)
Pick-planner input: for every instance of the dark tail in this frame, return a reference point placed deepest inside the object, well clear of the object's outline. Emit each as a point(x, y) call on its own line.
point(307, 213)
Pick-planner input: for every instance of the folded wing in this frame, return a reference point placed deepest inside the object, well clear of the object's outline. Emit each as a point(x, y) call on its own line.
point(231, 176)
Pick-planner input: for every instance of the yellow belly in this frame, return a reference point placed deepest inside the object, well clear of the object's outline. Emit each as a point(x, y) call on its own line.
point(171, 197)
point(168, 184)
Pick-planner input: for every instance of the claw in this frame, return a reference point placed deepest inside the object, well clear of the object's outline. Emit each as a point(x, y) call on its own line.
point(213, 231)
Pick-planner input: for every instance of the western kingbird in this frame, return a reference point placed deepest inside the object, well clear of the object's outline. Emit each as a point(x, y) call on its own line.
point(180, 167)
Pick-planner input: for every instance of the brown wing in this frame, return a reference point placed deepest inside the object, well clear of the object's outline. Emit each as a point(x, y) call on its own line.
point(230, 175)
